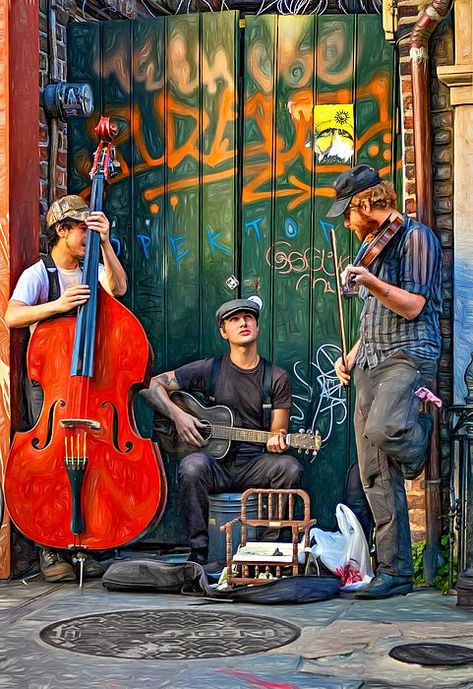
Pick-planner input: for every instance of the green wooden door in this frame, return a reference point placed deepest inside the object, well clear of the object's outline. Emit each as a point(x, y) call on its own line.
point(227, 161)
point(319, 97)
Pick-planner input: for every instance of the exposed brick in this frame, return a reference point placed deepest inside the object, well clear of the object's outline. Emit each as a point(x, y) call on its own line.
point(443, 188)
point(405, 67)
point(416, 500)
point(444, 222)
point(407, 103)
point(442, 154)
point(442, 137)
point(439, 101)
point(442, 172)
point(445, 239)
point(62, 159)
point(443, 204)
point(440, 120)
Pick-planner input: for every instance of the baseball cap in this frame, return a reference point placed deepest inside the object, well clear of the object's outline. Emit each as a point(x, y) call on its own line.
point(71, 206)
point(348, 184)
point(230, 307)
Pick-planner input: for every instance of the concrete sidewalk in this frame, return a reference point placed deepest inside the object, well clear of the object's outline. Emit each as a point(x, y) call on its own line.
point(341, 644)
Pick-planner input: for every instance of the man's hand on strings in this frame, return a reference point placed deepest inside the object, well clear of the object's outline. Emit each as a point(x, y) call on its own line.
point(98, 222)
point(188, 428)
point(71, 298)
point(356, 276)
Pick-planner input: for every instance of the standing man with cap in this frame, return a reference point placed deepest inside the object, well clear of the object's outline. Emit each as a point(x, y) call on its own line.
point(52, 286)
point(395, 355)
point(242, 380)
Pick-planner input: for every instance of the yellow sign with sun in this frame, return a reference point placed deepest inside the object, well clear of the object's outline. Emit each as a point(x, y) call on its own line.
point(334, 132)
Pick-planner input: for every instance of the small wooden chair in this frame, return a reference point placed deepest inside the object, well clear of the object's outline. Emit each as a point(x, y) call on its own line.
point(257, 561)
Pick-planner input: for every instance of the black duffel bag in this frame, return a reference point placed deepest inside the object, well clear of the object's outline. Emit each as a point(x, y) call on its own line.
point(189, 578)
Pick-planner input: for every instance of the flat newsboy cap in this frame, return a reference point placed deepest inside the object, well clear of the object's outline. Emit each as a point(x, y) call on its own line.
point(348, 184)
point(235, 305)
point(71, 206)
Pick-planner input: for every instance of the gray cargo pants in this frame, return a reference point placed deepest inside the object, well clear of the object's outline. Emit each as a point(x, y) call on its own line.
point(389, 431)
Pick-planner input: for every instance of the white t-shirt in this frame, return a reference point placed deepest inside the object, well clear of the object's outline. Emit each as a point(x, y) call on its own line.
point(32, 287)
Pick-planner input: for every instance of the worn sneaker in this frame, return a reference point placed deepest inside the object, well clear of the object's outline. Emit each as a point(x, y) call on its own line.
point(93, 568)
point(54, 567)
point(385, 586)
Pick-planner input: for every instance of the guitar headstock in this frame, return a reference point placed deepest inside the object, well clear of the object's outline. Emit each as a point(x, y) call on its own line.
point(307, 441)
point(105, 161)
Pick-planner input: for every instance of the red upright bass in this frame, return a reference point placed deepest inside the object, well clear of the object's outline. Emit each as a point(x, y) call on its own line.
point(83, 478)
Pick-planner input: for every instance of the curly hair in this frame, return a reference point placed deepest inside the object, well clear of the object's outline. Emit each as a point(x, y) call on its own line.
point(52, 236)
point(382, 195)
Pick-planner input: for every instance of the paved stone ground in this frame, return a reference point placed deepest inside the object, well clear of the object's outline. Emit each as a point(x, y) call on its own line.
point(344, 643)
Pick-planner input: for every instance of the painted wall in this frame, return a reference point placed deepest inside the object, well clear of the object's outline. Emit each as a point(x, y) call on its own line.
point(229, 142)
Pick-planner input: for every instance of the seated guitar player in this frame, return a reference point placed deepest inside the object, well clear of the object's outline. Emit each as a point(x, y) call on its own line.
point(260, 394)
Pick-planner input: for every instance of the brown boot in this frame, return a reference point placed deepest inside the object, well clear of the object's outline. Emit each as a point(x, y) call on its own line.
point(54, 567)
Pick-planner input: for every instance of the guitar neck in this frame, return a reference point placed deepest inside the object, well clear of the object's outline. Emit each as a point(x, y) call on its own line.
point(247, 435)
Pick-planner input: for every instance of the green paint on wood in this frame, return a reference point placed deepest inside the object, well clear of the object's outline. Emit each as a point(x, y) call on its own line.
point(181, 223)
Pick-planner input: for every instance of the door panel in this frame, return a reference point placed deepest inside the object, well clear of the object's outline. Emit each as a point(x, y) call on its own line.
point(228, 159)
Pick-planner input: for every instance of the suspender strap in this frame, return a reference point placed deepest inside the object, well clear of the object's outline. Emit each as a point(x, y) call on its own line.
point(267, 405)
point(267, 370)
point(216, 366)
point(54, 291)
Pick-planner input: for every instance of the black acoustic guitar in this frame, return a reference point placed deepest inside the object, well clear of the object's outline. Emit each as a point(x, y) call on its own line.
point(220, 430)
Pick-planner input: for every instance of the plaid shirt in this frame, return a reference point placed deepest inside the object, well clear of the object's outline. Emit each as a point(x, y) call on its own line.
point(412, 260)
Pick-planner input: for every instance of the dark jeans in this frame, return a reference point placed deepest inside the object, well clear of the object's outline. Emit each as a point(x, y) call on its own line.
point(390, 431)
point(201, 475)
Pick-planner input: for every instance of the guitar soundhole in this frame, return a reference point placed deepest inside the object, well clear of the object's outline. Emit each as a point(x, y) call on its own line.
point(206, 432)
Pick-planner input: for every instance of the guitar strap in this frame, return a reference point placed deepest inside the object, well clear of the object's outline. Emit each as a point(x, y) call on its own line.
point(54, 289)
point(267, 370)
point(267, 405)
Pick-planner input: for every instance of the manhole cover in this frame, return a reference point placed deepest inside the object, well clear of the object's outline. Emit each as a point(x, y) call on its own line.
point(169, 634)
point(432, 654)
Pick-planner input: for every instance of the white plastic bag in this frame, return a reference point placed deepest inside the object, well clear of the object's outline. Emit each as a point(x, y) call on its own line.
point(344, 552)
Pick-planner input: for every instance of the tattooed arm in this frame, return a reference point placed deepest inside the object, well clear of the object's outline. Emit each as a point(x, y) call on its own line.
point(158, 396)
point(158, 392)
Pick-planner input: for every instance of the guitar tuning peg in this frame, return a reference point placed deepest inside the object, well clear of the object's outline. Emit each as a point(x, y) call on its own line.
point(307, 452)
point(301, 430)
point(308, 431)
point(299, 451)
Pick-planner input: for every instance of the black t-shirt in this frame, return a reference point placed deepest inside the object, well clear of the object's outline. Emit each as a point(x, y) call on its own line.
point(238, 388)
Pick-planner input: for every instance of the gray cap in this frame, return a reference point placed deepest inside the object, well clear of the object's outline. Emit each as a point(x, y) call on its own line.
point(348, 184)
point(235, 305)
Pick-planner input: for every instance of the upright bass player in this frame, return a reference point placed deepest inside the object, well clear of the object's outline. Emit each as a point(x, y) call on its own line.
point(51, 287)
